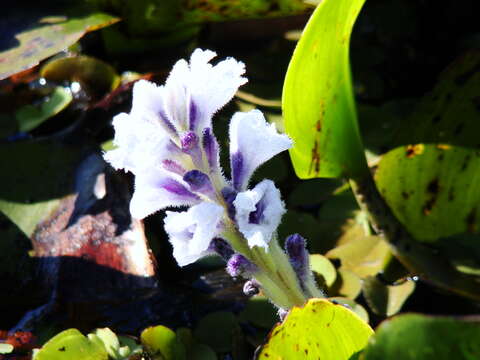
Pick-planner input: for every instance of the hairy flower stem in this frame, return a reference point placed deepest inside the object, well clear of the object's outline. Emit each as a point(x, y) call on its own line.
point(275, 273)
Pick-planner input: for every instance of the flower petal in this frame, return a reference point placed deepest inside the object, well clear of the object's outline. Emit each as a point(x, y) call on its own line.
point(155, 190)
point(211, 87)
point(252, 142)
point(258, 213)
point(190, 232)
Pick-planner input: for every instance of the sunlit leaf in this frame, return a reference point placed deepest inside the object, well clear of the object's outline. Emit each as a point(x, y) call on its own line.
point(5, 348)
point(347, 284)
point(318, 103)
point(352, 305)
point(46, 36)
point(31, 116)
point(71, 345)
point(386, 300)
point(162, 343)
point(322, 267)
point(414, 336)
point(319, 330)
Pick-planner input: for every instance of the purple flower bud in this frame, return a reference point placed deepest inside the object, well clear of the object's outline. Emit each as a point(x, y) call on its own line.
point(239, 265)
point(199, 182)
point(251, 287)
point(189, 141)
point(229, 196)
point(298, 255)
point(282, 314)
point(222, 248)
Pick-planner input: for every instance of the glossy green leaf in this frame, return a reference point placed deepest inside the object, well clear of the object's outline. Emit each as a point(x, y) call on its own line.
point(31, 116)
point(46, 36)
point(95, 76)
point(319, 330)
point(386, 300)
point(414, 337)
point(162, 343)
point(318, 104)
point(217, 330)
point(109, 340)
point(71, 345)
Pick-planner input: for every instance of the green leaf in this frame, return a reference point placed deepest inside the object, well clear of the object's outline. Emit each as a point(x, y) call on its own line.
point(71, 345)
point(162, 343)
point(109, 340)
point(260, 312)
point(352, 305)
point(31, 116)
point(322, 267)
point(434, 190)
point(414, 337)
point(318, 104)
point(386, 300)
point(363, 255)
point(95, 76)
point(319, 330)
point(347, 284)
point(217, 330)
point(46, 36)
point(23, 198)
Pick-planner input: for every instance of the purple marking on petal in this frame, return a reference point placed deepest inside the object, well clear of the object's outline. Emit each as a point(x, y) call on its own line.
point(176, 188)
point(229, 195)
point(193, 115)
point(239, 265)
point(236, 165)
point(210, 146)
point(222, 248)
point(198, 181)
point(167, 122)
point(256, 216)
point(173, 167)
point(298, 255)
point(189, 141)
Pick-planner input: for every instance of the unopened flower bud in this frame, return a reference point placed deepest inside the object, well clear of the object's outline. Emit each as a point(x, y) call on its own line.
point(298, 255)
point(239, 265)
point(189, 141)
point(251, 287)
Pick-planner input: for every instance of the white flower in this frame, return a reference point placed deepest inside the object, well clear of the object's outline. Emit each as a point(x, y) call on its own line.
point(252, 142)
point(195, 91)
point(190, 232)
point(258, 213)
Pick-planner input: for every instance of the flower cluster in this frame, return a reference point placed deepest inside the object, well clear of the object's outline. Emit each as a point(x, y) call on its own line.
point(167, 142)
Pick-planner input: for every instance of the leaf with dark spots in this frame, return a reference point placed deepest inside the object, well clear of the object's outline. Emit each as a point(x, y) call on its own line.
point(413, 150)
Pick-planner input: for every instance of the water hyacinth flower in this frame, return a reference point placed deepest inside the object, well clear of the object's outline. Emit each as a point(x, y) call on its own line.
point(167, 142)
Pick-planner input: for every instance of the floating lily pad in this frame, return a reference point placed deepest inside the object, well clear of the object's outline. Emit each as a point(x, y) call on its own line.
point(46, 36)
point(71, 345)
point(319, 330)
point(414, 336)
point(162, 343)
point(31, 116)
